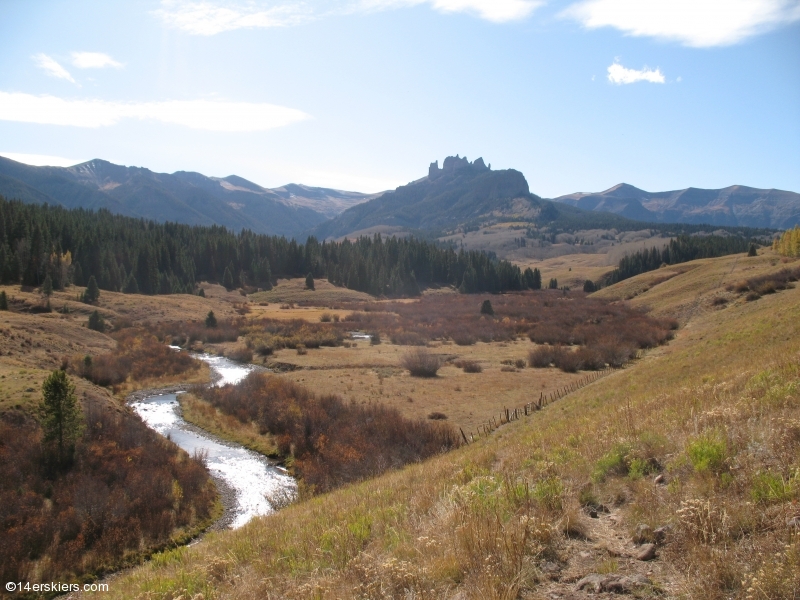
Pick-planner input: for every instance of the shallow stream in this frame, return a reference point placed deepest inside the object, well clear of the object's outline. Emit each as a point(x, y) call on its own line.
point(249, 476)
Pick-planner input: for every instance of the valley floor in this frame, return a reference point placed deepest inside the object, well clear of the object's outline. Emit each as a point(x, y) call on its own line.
point(694, 448)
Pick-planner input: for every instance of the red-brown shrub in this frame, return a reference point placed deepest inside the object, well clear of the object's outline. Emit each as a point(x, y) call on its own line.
point(138, 354)
point(117, 499)
point(421, 363)
point(541, 357)
point(567, 360)
point(407, 338)
point(333, 442)
point(469, 366)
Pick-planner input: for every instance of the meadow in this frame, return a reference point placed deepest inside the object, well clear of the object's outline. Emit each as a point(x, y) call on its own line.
point(694, 448)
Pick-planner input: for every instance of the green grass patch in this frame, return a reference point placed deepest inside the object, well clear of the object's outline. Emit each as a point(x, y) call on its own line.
point(708, 453)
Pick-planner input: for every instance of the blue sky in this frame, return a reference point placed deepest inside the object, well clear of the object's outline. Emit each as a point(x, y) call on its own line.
point(362, 94)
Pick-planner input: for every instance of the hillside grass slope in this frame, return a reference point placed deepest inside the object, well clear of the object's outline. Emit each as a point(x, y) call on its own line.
point(694, 448)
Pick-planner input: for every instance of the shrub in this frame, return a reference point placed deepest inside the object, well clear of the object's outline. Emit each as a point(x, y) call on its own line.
point(437, 416)
point(567, 360)
point(469, 366)
point(421, 363)
point(128, 491)
point(519, 363)
point(590, 359)
point(541, 357)
point(301, 350)
point(333, 442)
point(374, 339)
point(708, 453)
point(325, 317)
point(407, 338)
point(464, 339)
point(139, 354)
point(240, 354)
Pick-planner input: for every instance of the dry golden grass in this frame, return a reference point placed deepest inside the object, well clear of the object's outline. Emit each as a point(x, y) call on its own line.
point(571, 270)
point(364, 373)
point(294, 291)
point(699, 283)
point(137, 308)
point(307, 313)
point(501, 518)
point(207, 417)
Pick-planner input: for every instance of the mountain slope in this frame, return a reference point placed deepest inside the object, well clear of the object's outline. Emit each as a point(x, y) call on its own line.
point(183, 197)
point(455, 194)
point(736, 205)
point(556, 496)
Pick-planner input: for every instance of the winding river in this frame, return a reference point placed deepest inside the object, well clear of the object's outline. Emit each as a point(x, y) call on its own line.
point(249, 477)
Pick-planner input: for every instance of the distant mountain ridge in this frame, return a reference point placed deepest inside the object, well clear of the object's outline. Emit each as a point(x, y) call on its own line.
point(459, 192)
point(183, 197)
point(736, 205)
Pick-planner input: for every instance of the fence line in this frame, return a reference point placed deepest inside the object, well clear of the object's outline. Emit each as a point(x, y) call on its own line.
point(514, 414)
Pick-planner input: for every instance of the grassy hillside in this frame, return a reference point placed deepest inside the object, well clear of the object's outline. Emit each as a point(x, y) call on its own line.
point(700, 437)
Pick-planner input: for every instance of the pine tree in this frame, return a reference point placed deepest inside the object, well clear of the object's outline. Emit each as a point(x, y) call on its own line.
point(227, 279)
point(131, 285)
point(3, 300)
point(310, 282)
point(752, 251)
point(60, 415)
point(537, 280)
point(92, 293)
point(47, 286)
point(553, 285)
point(96, 322)
point(589, 287)
point(486, 308)
point(211, 320)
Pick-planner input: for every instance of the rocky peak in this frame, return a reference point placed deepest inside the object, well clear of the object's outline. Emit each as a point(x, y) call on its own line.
point(452, 164)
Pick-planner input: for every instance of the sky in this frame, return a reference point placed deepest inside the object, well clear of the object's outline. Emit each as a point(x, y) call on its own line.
point(363, 95)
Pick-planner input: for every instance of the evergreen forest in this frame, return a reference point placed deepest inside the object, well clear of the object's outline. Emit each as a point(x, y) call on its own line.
point(131, 255)
point(679, 250)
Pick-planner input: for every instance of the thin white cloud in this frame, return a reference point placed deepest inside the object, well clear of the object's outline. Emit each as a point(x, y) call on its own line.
point(196, 114)
point(51, 67)
point(698, 23)
point(207, 17)
point(94, 60)
point(497, 11)
point(621, 75)
point(41, 160)
point(211, 18)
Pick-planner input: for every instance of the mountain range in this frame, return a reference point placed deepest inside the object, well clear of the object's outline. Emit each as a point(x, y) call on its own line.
point(460, 194)
point(184, 197)
point(736, 205)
